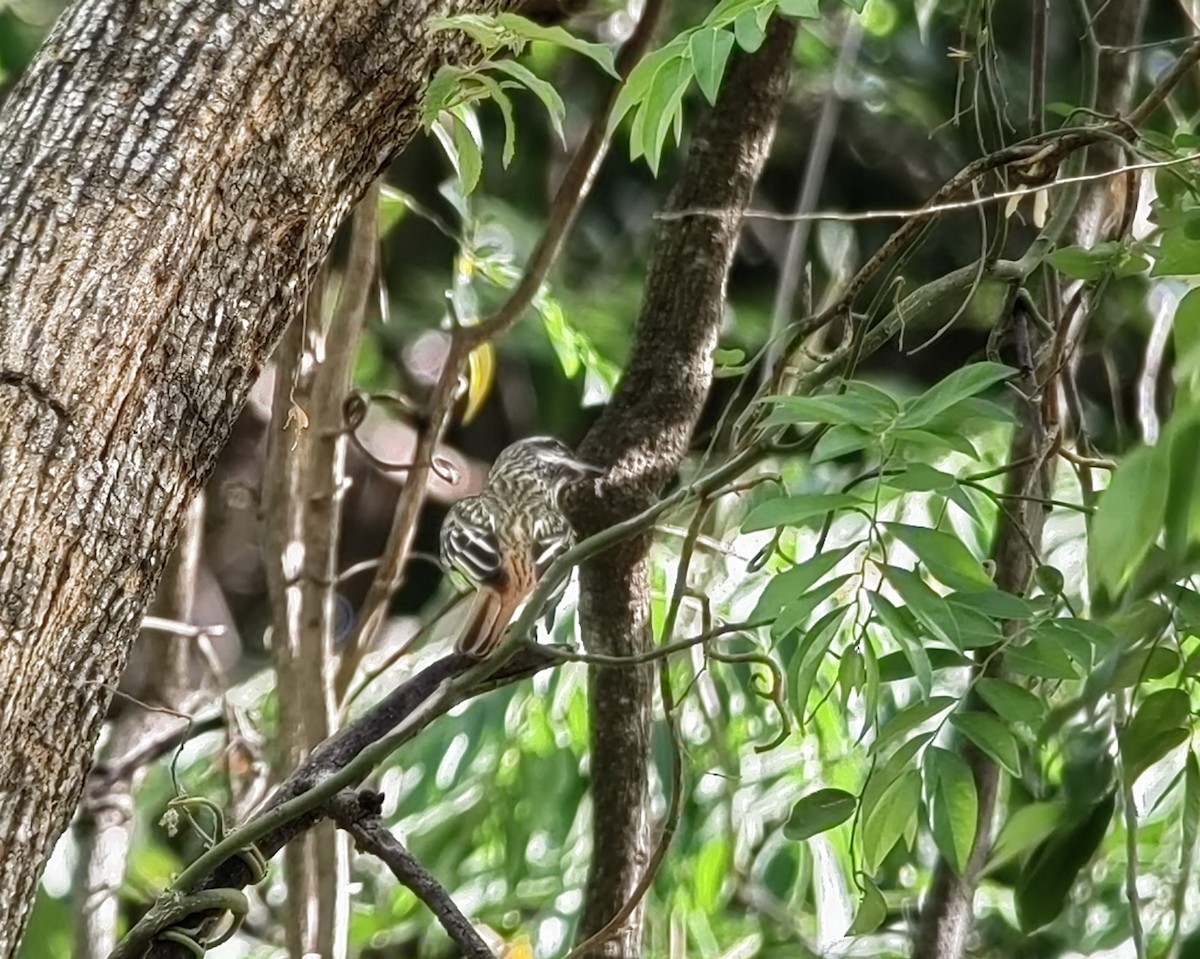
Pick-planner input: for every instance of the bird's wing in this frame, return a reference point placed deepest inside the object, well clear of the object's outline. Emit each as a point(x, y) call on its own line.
point(552, 537)
point(470, 545)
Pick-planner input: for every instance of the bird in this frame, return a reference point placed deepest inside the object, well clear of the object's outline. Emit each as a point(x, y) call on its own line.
point(502, 540)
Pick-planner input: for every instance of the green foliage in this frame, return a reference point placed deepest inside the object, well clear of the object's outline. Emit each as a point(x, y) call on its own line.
point(654, 91)
point(453, 89)
point(830, 755)
point(819, 811)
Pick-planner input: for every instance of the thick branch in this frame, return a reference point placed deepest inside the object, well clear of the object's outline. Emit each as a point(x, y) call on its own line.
point(643, 436)
point(169, 175)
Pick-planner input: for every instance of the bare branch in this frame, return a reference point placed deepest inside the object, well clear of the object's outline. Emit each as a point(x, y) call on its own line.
point(358, 814)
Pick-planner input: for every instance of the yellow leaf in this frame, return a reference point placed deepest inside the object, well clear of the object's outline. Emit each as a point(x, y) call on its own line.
point(1011, 206)
point(465, 266)
point(1041, 203)
point(481, 371)
point(519, 948)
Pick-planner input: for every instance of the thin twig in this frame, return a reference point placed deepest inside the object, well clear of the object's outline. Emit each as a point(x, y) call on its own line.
point(1129, 811)
point(358, 814)
point(936, 208)
point(1166, 83)
point(1037, 56)
point(794, 257)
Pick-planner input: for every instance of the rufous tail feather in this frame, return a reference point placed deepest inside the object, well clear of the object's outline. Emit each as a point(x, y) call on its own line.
point(484, 626)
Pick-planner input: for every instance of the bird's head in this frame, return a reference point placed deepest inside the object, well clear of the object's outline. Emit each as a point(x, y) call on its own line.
point(542, 459)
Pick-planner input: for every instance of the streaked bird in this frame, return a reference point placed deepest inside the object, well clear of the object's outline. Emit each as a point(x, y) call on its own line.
point(503, 540)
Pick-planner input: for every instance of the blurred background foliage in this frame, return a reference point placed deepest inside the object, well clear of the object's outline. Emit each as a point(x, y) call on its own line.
point(493, 800)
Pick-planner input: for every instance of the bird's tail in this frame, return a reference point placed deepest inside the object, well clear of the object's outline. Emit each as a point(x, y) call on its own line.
point(484, 626)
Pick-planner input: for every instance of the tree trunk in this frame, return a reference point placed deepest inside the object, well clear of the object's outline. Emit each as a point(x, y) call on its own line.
point(644, 434)
point(171, 174)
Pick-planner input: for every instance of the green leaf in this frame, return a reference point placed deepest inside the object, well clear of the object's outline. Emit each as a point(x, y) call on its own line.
point(729, 357)
point(712, 866)
point(637, 137)
point(819, 812)
point(1159, 725)
point(805, 9)
point(839, 441)
point(749, 32)
point(797, 612)
point(1190, 816)
point(886, 821)
point(544, 91)
point(903, 627)
point(562, 337)
point(884, 775)
point(470, 160)
point(992, 736)
point(1050, 873)
point(1082, 263)
point(952, 623)
point(791, 584)
point(1026, 828)
point(812, 650)
point(482, 28)
point(1181, 515)
point(914, 444)
point(910, 717)
point(794, 510)
point(506, 111)
point(439, 93)
point(851, 673)
point(943, 555)
point(1140, 665)
point(710, 53)
point(1185, 333)
point(919, 478)
point(899, 622)
point(637, 84)
point(1177, 254)
point(1130, 263)
point(1128, 518)
point(662, 101)
point(393, 207)
point(965, 382)
point(528, 30)
point(993, 603)
point(954, 805)
point(871, 912)
point(1011, 702)
point(727, 11)
point(921, 601)
point(872, 411)
point(897, 666)
point(1085, 641)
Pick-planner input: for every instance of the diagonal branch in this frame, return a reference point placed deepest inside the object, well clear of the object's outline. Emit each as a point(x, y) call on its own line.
point(358, 814)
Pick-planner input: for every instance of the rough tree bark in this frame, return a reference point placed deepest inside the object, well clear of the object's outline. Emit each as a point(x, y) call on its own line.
point(643, 435)
point(170, 175)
